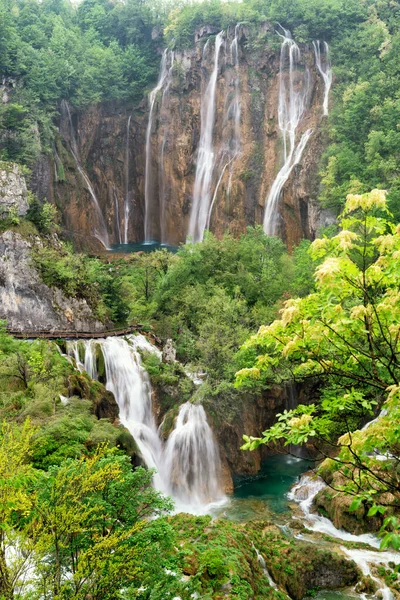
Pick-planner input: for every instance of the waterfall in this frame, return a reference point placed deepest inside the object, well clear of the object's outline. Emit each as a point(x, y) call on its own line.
point(304, 493)
point(206, 155)
point(117, 219)
point(101, 235)
point(148, 187)
point(188, 465)
point(325, 71)
point(263, 565)
point(291, 107)
point(231, 148)
point(162, 181)
point(126, 203)
point(192, 462)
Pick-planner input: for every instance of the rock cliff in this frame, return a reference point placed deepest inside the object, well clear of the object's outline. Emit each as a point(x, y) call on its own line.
point(26, 303)
point(13, 191)
point(99, 161)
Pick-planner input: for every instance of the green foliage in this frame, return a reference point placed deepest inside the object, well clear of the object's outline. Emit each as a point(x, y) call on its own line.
point(345, 334)
point(43, 215)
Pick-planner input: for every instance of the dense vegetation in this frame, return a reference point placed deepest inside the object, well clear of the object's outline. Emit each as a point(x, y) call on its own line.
point(76, 520)
point(346, 335)
point(103, 51)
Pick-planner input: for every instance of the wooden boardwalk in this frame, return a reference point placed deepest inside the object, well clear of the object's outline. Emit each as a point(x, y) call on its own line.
point(56, 335)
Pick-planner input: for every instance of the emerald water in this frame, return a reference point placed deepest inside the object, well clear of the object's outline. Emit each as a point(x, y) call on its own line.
point(140, 247)
point(333, 596)
point(273, 482)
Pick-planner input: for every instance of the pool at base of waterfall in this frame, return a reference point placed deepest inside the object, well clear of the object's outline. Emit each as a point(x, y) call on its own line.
point(271, 485)
point(328, 595)
point(140, 247)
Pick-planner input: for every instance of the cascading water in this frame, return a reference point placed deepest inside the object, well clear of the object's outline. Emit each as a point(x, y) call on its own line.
point(192, 462)
point(162, 179)
point(304, 493)
point(148, 187)
point(324, 67)
point(117, 219)
point(188, 467)
point(206, 155)
point(126, 201)
point(102, 233)
point(292, 105)
point(232, 114)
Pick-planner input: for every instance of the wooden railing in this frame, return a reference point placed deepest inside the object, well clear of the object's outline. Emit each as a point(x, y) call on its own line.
point(58, 334)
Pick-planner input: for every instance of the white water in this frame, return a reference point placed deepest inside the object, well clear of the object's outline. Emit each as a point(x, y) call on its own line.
point(192, 463)
point(148, 188)
point(293, 97)
point(304, 493)
point(117, 219)
point(262, 563)
point(162, 178)
point(188, 465)
point(102, 233)
point(126, 202)
point(206, 155)
point(324, 67)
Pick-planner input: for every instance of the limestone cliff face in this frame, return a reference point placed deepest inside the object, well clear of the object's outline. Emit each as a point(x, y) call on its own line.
point(26, 303)
point(110, 145)
point(13, 191)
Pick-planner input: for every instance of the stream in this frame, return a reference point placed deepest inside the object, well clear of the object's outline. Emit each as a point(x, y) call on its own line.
point(188, 466)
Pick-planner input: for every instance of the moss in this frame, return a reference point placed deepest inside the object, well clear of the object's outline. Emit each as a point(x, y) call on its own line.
point(220, 558)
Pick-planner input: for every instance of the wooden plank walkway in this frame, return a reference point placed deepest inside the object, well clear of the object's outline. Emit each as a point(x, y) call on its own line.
point(55, 335)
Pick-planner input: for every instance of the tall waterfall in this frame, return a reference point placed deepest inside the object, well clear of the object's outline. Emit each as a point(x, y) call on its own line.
point(231, 125)
point(206, 155)
point(101, 233)
point(188, 465)
point(293, 97)
point(148, 187)
point(126, 201)
point(162, 193)
point(324, 67)
point(117, 218)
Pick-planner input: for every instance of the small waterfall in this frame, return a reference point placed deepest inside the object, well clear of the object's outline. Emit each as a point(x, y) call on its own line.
point(117, 219)
point(126, 203)
point(324, 67)
point(148, 187)
point(291, 107)
point(304, 493)
point(206, 155)
point(262, 563)
point(192, 462)
point(188, 466)
point(101, 235)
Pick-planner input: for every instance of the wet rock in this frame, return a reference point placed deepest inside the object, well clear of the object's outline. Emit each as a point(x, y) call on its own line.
point(13, 190)
point(366, 585)
point(108, 150)
point(336, 506)
point(106, 407)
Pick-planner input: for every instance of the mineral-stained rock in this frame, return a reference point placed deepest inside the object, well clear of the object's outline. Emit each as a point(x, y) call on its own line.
point(26, 303)
point(114, 158)
point(13, 191)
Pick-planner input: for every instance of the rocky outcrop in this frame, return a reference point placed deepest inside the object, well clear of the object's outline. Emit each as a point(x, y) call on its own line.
point(110, 141)
point(13, 191)
point(26, 303)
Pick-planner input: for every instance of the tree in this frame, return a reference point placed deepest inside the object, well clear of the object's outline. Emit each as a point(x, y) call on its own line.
point(15, 476)
point(347, 336)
